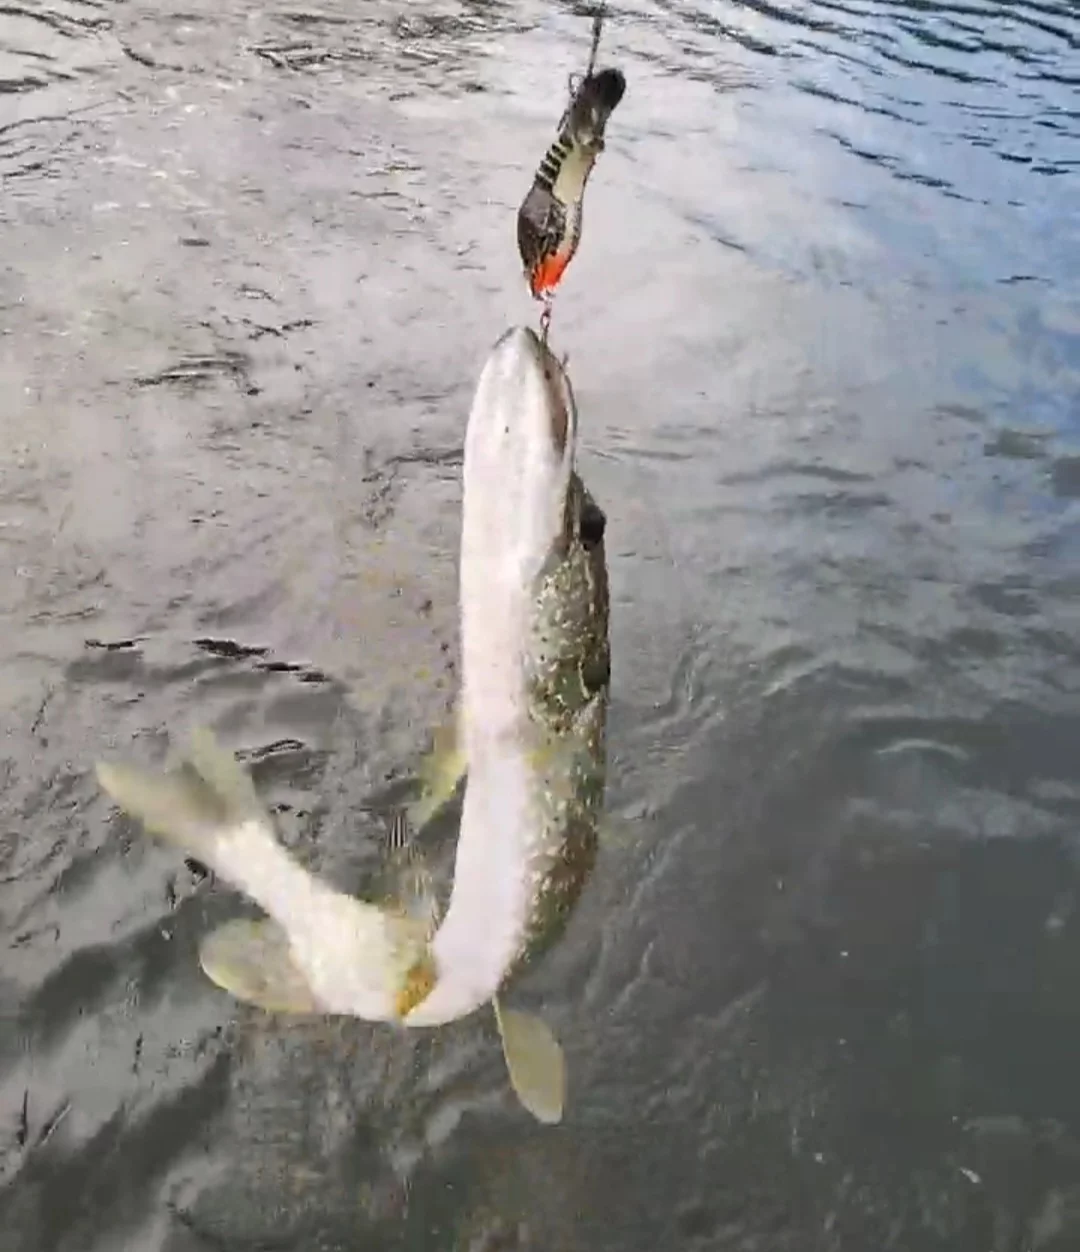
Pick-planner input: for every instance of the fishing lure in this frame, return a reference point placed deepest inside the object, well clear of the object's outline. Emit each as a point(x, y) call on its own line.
point(550, 217)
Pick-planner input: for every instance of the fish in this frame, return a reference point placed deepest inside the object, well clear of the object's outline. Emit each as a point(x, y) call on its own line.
point(527, 736)
point(549, 220)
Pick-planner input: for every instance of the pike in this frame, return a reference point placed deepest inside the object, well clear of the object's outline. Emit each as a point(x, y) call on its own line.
point(529, 737)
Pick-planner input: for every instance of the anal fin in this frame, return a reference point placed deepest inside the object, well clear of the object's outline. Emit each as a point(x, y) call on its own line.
point(534, 1061)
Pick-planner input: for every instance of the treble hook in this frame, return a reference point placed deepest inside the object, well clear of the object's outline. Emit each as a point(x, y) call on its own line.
point(574, 80)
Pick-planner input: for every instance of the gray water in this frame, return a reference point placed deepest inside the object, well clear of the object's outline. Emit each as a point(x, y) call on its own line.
point(823, 991)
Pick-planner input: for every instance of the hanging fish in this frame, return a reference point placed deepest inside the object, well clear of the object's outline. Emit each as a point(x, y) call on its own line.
point(549, 219)
point(529, 736)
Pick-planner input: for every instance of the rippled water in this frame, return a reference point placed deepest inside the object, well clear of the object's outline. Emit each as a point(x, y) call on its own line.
point(823, 992)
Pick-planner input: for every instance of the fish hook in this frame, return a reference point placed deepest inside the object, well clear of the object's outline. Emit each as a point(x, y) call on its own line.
point(575, 80)
point(599, 13)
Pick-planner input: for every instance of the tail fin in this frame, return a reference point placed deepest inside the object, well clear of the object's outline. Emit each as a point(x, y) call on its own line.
point(189, 806)
point(224, 773)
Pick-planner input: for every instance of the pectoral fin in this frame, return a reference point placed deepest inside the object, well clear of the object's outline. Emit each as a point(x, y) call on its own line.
point(535, 1063)
point(440, 771)
point(252, 961)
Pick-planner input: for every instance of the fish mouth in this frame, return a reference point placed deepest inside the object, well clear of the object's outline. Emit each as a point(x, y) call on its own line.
point(520, 355)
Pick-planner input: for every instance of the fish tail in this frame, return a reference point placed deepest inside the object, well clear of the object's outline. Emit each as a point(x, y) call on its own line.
point(198, 807)
point(224, 774)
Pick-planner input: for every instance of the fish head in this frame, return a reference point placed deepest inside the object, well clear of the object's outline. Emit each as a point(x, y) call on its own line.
point(519, 460)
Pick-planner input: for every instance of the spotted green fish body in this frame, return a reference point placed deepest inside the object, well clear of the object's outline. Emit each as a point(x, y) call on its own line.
point(568, 669)
point(535, 667)
point(530, 737)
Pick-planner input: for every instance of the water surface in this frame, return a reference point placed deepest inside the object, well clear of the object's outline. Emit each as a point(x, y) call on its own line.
point(823, 993)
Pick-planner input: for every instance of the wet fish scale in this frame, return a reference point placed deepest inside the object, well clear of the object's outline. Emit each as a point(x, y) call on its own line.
point(569, 657)
point(569, 675)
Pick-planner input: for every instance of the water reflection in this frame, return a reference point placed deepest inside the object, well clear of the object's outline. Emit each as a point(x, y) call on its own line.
point(826, 339)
